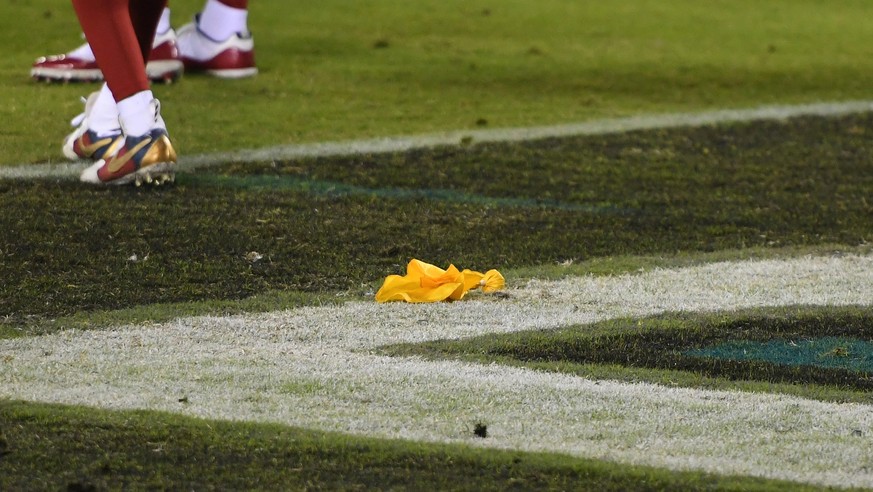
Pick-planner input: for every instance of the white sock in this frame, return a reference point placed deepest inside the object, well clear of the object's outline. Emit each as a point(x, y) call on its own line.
point(219, 22)
point(164, 23)
point(103, 118)
point(82, 52)
point(137, 113)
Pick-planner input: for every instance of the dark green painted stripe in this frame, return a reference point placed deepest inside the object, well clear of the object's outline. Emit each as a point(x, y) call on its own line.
point(830, 352)
point(338, 189)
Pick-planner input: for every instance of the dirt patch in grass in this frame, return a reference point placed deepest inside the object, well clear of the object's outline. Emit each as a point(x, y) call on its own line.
point(322, 225)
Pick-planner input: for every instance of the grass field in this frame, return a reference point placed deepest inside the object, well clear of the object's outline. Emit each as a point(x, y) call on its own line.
point(687, 307)
point(331, 71)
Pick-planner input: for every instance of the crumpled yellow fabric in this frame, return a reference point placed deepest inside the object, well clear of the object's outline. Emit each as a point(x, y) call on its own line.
point(424, 282)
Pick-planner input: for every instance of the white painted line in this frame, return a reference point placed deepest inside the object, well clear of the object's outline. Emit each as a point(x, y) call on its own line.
point(403, 143)
point(314, 367)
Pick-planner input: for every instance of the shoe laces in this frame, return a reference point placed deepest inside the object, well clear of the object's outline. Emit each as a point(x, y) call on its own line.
point(159, 120)
point(79, 119)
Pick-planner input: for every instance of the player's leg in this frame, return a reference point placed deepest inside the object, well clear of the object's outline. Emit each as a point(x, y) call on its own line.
point(79, 65)
point(145, 17)
point(218, 42)
point(151, 21)
point(118, 46)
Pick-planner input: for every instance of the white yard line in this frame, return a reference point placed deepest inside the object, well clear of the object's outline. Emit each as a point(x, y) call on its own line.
point(314, 367)
point(402, 143)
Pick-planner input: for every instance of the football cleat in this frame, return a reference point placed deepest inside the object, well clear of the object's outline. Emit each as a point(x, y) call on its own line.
point(84, 143)
point(80, 65)
point(164, 63)
point(147, 159)
point(232, 58)
point(88, 145)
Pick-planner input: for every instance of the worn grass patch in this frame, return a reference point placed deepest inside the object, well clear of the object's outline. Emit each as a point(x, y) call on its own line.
point(671, 349)
point(51, 447)
point(252, 229)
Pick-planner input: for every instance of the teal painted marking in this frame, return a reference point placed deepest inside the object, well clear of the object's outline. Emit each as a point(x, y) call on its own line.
point(337, 189)
point(828, 352)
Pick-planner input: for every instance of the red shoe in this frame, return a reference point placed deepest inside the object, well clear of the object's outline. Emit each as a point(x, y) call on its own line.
point(79, 65)
point(85, 143)
point(232, 58)
point(88, 145)
point(148, 159)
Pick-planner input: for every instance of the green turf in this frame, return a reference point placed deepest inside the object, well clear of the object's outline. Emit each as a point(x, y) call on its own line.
point(70, 248)
point(45, 447)
point(674, 349)
point(334, 70)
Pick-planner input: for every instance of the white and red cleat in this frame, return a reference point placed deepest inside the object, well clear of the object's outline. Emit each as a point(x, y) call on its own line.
point(232, 58)
point(79, 65)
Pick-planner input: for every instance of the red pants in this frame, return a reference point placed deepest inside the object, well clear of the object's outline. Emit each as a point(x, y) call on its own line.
point(120, 33)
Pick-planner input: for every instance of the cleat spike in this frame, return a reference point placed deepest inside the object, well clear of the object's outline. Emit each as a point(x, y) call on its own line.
point(148, 178)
